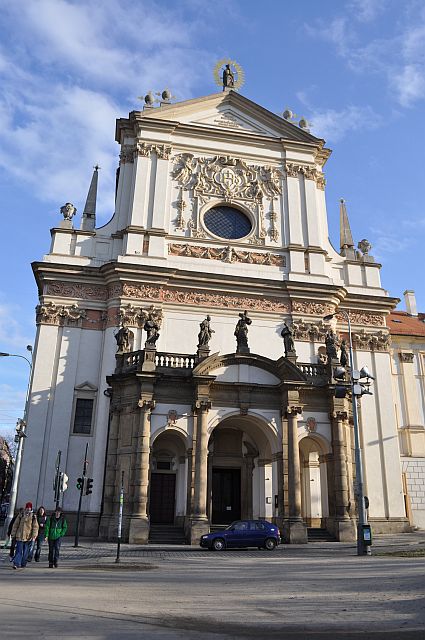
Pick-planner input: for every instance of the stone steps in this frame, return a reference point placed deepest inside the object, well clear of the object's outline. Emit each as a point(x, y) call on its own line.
point(166, 534)
point(319, 535)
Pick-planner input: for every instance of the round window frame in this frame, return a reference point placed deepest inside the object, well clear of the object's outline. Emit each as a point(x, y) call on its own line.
point(231, 205)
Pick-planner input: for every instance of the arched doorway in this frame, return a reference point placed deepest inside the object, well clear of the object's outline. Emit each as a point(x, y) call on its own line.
point(314, 486)
point(168, 473)
point(242, 475)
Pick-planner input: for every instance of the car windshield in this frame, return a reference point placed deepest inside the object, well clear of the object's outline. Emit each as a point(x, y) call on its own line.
point(231, 526)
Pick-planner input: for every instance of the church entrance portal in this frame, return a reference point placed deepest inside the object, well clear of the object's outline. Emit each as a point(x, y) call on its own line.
point(226, 495)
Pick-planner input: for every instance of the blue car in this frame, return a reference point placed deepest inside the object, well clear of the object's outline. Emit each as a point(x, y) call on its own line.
point(243, 533)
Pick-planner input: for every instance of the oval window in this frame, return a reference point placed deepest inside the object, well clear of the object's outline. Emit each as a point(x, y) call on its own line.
point(227, 222)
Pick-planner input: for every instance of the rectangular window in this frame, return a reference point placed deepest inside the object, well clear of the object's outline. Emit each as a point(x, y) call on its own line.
point(83, 415)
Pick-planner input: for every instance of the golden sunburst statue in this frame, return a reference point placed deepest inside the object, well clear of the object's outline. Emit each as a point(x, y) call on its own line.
point(231, 77)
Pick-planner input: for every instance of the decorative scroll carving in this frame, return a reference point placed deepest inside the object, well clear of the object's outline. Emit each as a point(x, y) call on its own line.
point(227, 177)
point(75, 290)
point(379, 341)
point(363, 318)
point(137, 317)
point(406, 357)
point(309, 331)
point(311, 308)
point(145, 149)
point(181, 206)
point(127, 153)
point(309, 172)
point(273, 232)
point(51, 313)
point(228, 254)
point(200, 298)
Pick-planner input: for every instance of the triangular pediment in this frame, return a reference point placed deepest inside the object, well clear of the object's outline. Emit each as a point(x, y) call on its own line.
point(229, 110)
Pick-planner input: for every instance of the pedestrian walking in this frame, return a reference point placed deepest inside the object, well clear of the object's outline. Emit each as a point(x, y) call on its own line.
point(25, 530)
point(12, 538)
point(35, 550)
point(56, 528)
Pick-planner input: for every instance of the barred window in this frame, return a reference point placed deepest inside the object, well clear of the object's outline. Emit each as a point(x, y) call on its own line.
point(83, 415)
point(227, 222)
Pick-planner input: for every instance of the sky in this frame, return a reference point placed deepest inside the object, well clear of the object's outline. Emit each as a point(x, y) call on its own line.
point(68, 68)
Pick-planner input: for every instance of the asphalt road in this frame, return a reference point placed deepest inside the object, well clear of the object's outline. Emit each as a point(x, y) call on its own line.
point(296, 592)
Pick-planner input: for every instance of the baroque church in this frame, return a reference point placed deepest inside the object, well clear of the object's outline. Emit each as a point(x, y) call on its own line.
point(186, 342)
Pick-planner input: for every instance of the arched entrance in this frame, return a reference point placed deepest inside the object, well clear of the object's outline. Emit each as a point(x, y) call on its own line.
point(168, 473)
point(314, 487)
point(242, 476)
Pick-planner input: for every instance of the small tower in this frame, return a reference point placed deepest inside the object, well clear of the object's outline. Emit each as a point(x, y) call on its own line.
point(88, 219)
point(346, 238)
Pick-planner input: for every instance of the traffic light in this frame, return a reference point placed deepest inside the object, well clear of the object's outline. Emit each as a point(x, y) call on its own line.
point(80, 483)
point(63, 482)
point(89, 486)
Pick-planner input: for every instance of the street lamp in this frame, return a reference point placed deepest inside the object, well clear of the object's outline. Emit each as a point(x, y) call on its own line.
point(363, 546)
point(19, 438)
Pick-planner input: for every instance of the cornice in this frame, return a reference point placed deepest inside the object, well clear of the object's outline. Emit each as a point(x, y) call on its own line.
point(72, 231)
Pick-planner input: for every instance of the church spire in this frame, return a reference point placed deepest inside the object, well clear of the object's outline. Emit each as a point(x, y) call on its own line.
point(88, 220)
point(346, 238)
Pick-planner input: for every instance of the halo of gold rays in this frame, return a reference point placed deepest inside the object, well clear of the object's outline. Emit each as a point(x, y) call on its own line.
point(240, 78)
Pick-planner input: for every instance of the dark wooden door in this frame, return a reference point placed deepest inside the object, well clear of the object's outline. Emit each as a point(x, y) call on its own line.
point(226, 495)
point(162, 498)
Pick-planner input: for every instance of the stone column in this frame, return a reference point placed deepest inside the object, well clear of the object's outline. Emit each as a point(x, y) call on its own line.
point(199, 524)
point(139, 523)
point(107, 524)
point(294, 528)
point(344, 527)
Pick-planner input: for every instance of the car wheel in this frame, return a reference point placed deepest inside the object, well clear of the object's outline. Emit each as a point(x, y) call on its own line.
point(218, 544)
point(270, 544)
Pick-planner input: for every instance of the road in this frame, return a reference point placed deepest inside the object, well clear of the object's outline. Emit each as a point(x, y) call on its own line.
point(295, 592)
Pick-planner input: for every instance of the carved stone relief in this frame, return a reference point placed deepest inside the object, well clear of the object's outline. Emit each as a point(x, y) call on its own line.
point(227, 254)
point(406, 357)
point(307, 331)
point(379, 341)
point(311, 308)
point(363, 318)
point(130, 315)
point(145, 149)
point(200, 298)
point(308, 171)
point(51, 313)
point(75, 290)
point(127, 153)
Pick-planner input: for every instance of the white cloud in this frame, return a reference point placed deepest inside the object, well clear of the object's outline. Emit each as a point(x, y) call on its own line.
point(367, 10)
point(69, 70)
point(334, 125)
point(12, 336)
point(409, 84)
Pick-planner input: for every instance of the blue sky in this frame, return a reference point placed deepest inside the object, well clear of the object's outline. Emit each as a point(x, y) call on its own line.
point(355, 69)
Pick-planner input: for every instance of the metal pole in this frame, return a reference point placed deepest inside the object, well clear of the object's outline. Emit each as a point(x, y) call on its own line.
point(21, 435)
point(57, 479)
point(77, 526)
point(362, 549)
point(117, 559)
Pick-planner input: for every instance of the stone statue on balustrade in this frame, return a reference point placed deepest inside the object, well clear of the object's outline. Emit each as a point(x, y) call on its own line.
point(330, 342)
point(205, 333)
point(288, 340)
point(124, 338)
point(241, 333)
point(152, 329)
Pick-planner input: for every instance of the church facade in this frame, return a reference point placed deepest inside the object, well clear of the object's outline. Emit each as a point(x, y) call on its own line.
point(185, 340)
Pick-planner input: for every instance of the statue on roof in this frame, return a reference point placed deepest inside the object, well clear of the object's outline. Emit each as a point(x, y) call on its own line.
point(68, 211)
point(241, 332)
point(228, 78)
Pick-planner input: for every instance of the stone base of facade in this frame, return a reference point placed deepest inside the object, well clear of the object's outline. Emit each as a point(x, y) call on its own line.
point(390, 525)
point(294, 532)
point(139, 531)
point(345, 530)
point(198, 528)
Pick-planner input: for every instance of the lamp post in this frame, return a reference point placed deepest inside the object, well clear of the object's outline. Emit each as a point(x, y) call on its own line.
point(362, 547)
point(19, 438)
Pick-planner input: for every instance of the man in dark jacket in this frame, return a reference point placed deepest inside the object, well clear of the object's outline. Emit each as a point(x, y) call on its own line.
point(56, 528)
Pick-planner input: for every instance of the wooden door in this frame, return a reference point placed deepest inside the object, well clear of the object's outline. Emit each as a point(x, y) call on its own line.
point(162, 498)
point(226, 495)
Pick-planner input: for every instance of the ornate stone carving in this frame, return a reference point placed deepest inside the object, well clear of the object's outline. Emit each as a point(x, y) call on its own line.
point(406, 357)
point(181, 206)
point(311, 424)
point(200, 298)
point(76, 290)
point(68, 211)
point(227, 177)
point(137, 317)
point(227, 254)
point(379, 341)
point(309, 172)
point(363, 318)
point(51, 313)
point(145, 149)
point(311, 308)
point(364, 246)
point(127, 153)
point(309, 331)
point(273, 232)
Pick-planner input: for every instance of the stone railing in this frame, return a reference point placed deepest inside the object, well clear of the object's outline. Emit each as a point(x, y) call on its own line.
point(133, 361)
point(311, 370)
point(175, 360)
